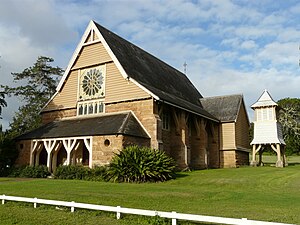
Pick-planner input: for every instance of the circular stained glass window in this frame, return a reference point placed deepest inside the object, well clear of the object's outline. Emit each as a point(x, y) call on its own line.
point(92, 82)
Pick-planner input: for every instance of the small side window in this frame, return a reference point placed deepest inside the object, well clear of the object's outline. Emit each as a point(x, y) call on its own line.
point(166, 121)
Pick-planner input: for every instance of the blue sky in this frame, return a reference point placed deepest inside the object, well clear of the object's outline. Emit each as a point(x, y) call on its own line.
point(230, 46)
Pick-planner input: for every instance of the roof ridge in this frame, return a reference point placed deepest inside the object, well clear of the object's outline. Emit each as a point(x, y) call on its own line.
point(123, 125)
point(219, 96)
point(93, 116)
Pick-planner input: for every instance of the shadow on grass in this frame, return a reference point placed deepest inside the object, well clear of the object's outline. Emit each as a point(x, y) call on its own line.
point(180, 175)
point(268, 164)
point(294, 164)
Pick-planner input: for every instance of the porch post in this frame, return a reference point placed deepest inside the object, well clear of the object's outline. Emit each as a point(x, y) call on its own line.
point(253, 161)
point(49, 160)
point(285, 163)
point(49, 145)
point(279, 162)
point(69, 144)
point(89, 145)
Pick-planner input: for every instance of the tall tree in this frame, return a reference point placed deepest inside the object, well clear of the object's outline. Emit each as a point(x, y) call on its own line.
point(289, 118)
point(37, 85)
point(2, 102)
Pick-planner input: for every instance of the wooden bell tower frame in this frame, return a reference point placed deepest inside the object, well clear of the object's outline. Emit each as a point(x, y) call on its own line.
point(267, 130)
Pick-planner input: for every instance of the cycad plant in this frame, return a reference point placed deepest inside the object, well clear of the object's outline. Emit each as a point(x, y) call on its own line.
point(141, 164)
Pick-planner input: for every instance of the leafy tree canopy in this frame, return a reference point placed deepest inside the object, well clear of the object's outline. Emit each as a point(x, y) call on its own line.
point(36, 85)
point(289, 118)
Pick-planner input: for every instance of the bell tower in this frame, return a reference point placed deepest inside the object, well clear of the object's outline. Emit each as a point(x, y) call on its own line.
point(267, 130)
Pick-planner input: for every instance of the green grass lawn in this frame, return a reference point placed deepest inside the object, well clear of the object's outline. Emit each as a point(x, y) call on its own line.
point(271, 159)
point(261, 193)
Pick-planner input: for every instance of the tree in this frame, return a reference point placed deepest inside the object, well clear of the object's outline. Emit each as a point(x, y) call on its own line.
point(2, 101)
point(37, 85)
point(289, 117)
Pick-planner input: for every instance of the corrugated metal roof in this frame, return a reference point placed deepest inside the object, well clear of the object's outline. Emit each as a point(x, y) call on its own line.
point(122, 123)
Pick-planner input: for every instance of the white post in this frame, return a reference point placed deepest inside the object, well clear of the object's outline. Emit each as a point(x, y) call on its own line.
point(244, 221)
point(89, 145)
point(3, 201)
point(49, 145)
point(118, 212)
point(49, 160)
point(174, 222)
point(253, 161)
point(34, 204)
point(68, 158)
point(72, 207)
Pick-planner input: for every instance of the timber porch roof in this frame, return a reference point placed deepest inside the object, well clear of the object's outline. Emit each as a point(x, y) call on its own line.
point(113, 124)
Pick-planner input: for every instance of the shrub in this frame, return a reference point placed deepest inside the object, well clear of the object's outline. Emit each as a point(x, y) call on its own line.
point(98, 173)
point(30, 172)
point(71, 172)
point(141, 164)
point(79, 173)
point(14, 171)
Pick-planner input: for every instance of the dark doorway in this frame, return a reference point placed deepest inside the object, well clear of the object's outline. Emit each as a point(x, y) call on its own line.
point(43, 157)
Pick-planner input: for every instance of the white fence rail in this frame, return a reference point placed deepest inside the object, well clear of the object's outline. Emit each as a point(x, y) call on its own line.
point(174, 216)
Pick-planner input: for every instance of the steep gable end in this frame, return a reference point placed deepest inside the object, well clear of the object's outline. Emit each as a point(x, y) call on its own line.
point(93, 51)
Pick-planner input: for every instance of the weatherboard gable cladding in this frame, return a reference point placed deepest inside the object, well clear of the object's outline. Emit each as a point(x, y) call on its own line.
point(92, 54)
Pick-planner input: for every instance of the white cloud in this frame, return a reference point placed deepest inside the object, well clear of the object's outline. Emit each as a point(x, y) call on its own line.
point(229, 46)
point(36, 20)
point(249, 45)
point(281, 54)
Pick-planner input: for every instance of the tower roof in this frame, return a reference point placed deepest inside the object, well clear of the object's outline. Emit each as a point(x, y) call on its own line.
point(264, 100)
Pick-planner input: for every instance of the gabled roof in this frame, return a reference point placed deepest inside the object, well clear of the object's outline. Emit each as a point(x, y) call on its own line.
point(108, 124)
point(160, 80)
point(264, 100)
point(154, 74)
point(225, 108)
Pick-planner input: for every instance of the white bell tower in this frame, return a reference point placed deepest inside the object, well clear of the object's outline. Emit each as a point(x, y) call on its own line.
point(267, 130)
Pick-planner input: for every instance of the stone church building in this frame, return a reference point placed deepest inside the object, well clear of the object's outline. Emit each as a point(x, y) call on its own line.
point(114, 94)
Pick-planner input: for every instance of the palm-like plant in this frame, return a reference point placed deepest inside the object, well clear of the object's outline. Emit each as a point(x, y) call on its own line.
point(141, 164)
